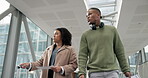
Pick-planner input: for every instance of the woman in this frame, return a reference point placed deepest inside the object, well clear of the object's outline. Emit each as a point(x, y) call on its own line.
point(60, 56)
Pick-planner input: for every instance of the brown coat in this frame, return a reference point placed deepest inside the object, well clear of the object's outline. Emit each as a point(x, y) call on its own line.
point(66, 57)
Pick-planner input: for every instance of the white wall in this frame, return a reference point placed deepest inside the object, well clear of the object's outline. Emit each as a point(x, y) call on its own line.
point(143, 70)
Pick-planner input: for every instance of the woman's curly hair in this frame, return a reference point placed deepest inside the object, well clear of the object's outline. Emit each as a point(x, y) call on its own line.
point(65, 35)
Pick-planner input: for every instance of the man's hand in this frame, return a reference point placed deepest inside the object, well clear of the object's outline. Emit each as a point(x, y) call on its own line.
point(128, 74)
point(56, 68)
point(82, 76)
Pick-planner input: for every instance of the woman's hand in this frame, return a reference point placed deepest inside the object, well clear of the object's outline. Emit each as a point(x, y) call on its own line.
point(56, 69)
point(25, 65)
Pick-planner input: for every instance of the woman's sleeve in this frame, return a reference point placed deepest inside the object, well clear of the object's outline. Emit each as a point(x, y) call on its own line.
point(71, 67)
point(38, 62)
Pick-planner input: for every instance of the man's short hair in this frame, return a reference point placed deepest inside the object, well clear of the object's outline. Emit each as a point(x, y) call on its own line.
point(96, 9)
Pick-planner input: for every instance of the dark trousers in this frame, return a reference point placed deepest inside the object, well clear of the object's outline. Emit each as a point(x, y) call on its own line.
point(50, 73)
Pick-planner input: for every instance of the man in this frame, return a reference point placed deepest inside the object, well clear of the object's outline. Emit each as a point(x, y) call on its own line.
point(99, 48)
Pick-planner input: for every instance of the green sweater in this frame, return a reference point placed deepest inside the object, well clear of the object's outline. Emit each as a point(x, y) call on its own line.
point(99, 49)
